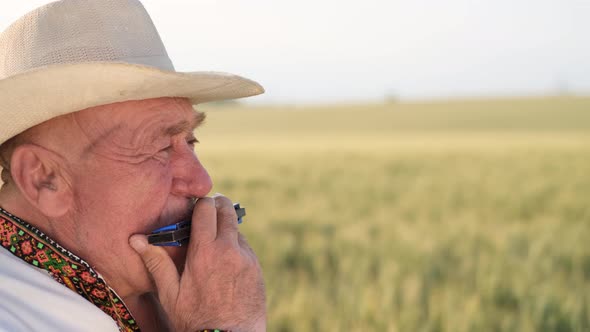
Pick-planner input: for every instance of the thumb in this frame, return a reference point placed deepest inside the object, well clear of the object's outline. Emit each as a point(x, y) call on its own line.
point(160, 266)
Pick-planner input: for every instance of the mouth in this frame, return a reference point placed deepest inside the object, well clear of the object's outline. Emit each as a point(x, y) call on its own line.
point(177, 216)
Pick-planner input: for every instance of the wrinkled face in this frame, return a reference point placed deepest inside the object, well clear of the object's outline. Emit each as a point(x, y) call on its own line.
point(135, 170)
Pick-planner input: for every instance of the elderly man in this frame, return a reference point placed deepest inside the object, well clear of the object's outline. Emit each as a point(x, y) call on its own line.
point(97, 150)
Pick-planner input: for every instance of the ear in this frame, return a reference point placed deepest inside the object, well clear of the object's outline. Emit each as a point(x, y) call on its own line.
point(39, 175)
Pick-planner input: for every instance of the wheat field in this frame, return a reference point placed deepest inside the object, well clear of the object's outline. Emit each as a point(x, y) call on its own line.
point(466, 215)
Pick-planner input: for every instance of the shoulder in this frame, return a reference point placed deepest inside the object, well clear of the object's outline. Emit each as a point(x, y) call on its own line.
point(33, 301)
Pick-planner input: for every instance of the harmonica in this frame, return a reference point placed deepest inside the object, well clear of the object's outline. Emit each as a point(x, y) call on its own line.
point(178, 234)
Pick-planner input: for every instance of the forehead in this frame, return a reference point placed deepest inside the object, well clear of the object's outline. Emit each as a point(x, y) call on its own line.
point(162, 115)
point(129, 112)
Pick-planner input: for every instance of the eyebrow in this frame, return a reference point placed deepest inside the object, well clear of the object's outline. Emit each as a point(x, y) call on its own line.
point(185, 126)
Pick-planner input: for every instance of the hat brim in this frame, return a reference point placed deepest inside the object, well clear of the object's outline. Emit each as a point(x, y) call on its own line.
point(35, 96)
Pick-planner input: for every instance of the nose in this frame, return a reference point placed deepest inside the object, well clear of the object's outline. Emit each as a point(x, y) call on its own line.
point(190, 178)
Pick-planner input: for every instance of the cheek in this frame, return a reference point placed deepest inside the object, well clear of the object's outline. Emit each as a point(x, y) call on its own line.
point(146, 192)
point(129, 197)
point(148, 182)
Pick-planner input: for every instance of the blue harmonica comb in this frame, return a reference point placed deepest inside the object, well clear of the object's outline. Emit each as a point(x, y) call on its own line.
point(178, 234)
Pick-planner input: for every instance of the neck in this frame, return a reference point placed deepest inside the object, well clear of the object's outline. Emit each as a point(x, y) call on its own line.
point(30, 244)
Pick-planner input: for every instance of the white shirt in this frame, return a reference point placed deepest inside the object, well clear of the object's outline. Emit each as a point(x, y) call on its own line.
point(30, 300)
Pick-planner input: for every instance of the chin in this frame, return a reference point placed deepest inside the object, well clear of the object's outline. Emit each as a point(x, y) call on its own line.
point(178, 255)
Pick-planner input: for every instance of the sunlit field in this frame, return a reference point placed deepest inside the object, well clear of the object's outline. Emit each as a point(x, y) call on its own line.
point(435, 216)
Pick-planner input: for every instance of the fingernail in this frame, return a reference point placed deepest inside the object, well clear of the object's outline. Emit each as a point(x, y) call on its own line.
point(138, 243)
point(217, 202)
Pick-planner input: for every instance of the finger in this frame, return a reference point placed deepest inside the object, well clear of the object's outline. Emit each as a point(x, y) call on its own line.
point(227, 219)
point(204, 225)
point(160, 266)
point(244, 244)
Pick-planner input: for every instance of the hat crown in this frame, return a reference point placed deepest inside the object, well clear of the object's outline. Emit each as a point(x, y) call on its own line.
point(80, 31)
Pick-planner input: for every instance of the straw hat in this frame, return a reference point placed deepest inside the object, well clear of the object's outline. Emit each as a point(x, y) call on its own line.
point(74, 54)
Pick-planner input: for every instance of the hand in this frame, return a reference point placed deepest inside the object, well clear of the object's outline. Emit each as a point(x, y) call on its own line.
point(221, 286)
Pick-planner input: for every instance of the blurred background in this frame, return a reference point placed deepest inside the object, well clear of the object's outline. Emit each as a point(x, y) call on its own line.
point(413, 166)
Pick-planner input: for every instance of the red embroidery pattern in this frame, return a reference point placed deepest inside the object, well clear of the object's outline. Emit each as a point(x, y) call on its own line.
point(34, 247)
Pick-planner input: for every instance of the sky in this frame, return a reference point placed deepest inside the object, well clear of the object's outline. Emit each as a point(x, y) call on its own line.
point(325, 51)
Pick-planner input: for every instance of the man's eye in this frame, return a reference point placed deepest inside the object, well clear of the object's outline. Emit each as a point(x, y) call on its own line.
point(163, 154)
